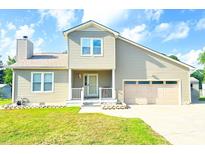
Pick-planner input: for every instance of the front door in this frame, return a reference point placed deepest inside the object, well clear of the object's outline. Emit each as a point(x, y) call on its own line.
point(91, 85)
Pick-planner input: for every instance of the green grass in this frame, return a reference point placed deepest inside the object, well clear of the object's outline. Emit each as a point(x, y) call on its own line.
point(5, 101)
point(202, 98)
point(67, 126)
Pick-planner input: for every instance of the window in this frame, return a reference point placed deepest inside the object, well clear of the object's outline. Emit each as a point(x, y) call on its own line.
point(86, 49)
point(171, 82)
point(143, 82)
point(157, 82)
point(97, 47)
point(130, 82)
point(91, 47)
point(37, 82)
point(42, 82)
point(48, 81)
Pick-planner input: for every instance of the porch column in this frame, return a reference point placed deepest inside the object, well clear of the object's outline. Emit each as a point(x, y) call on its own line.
point(13, 86)
point(69, 84)
point(113, 84)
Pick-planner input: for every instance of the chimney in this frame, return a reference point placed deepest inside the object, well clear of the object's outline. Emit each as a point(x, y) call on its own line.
point(24, 49)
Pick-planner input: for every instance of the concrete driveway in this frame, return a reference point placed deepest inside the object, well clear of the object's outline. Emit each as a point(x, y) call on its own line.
point(178, 124)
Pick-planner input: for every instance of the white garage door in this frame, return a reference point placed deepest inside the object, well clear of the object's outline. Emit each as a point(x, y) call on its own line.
point(151, 92)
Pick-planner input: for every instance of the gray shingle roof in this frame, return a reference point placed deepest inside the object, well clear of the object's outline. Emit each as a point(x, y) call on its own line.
point(43, 61)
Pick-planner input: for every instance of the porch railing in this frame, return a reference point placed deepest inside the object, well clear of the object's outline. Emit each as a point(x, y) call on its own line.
point(76, 93)
point(105, 93)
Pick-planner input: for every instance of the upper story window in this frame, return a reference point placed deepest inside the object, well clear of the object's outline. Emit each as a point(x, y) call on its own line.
point(42, 81)
point(86, 46)
point(91, 47)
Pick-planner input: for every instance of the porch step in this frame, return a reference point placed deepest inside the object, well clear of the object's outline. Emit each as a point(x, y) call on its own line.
point(89, 104)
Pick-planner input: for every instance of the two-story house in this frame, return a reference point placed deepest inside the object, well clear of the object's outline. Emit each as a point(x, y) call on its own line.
point(100, 66)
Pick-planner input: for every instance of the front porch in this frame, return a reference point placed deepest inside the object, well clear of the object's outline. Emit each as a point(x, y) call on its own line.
point(91, 87)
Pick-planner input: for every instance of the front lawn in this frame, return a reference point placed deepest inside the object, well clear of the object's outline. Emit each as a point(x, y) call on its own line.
point(5, 101)
point(67, 126)
point(202, 98)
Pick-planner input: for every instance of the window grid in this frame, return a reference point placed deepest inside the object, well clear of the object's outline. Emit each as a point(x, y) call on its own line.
point(151, 82)
point(43, 82)
point(93, 47)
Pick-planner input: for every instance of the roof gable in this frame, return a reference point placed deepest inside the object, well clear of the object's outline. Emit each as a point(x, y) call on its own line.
point(90, 25)
point(156, 53)
point(87, 25)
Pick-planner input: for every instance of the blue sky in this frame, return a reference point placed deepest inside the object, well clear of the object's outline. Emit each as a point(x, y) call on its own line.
point(178, 32)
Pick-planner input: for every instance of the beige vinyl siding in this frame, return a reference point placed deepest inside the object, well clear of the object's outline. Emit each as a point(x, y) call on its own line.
point(104, 78)
point(29, 49)
point(23, 87)
point(21, 49)
point(24, 49)
point(76, 61)
point(135, 63)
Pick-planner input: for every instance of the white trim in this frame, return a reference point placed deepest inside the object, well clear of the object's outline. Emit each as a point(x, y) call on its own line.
point(69, 84)
point(13, 86)
point(151, 79)
point(42, 82)
point(178, 83)
point(154, 52)
point(88, 24)
point(189, 88)
point(90, 74)
point(91, 47)
point(180, 92)
point(81, 47)
point(113, 84)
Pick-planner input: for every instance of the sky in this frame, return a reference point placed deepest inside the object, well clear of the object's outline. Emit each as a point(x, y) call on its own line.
point(172, 32)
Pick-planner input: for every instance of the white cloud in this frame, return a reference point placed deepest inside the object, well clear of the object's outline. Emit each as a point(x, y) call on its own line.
point(37, 44)
point(39, 41)
point(8, 40)
point(2, 33)
point(180, 31)
point(191, 57)
point(104, 16)
point(170, 31)
point(7, 47)
point(200, 24)
point(5, 42)
point(25, 30)
point(11, 26)
point(162, 27)
point(64, 18)
point(153, 14)
point(136, 34)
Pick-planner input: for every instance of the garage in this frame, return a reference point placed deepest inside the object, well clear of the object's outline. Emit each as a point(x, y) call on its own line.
point(151, 92)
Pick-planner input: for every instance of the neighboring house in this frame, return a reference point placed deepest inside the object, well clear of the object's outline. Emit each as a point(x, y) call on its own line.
point(194, 89)
point(5, 91)
point(100, 66)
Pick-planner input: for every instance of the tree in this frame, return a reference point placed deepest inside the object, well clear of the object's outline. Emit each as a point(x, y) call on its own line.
point(201, 58)
point(1, 71)
point(174, 57)
point(199, 75)
point(8, 72)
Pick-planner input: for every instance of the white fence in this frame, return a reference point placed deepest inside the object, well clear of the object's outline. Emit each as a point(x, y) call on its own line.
point(202, 92)
point(105, 93)
point(76, 93)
